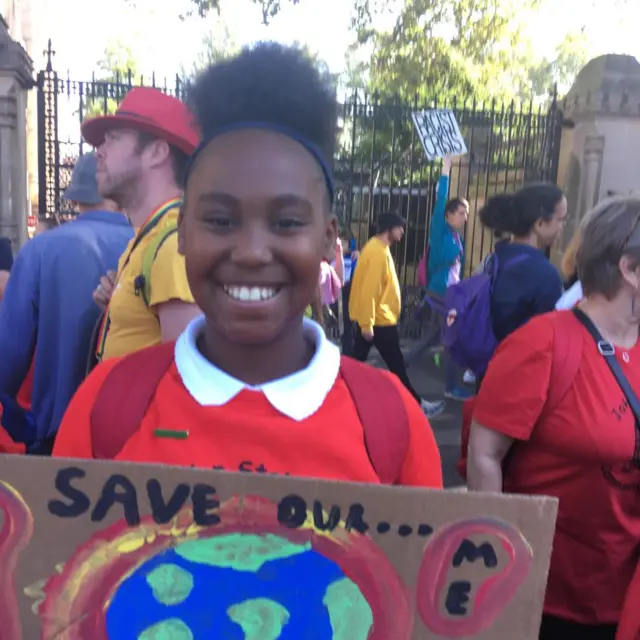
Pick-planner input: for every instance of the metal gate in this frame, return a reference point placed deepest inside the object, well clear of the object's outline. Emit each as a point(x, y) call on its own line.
point(63, 104)
point(379, 163)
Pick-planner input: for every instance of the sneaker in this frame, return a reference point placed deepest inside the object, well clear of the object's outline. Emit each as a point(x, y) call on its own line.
point(432, 409)
point(469, 377)
point(458, 394)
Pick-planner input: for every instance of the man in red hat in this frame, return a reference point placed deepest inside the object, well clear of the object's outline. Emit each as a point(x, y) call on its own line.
point(142, 152)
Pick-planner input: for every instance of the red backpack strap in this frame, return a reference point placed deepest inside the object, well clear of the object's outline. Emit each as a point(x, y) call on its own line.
point(568, 341)
point(124, 398)
point(567, 356)
point(383, 416)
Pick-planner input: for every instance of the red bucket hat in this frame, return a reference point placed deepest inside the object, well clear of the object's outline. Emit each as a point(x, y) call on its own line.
point(150, 111)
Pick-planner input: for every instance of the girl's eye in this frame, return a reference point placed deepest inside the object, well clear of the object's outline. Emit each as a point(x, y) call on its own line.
point(288, 223)
point(218, 222)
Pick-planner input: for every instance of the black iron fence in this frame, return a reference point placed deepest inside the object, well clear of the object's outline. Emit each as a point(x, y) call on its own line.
point(379, 163)
point(63, 104)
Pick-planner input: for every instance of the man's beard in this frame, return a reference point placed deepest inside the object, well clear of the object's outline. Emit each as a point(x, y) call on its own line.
point(121, 190)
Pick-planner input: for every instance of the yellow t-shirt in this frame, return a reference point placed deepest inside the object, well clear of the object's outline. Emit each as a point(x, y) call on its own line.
point(132, 325)
point(375, 291)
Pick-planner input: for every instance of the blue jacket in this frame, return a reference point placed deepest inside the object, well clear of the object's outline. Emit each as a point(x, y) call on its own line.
point(524, 290)
point(444, 249)
point(48, 310)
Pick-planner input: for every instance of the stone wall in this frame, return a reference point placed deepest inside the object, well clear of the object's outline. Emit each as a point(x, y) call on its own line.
point(16, 78)
point(600, 152)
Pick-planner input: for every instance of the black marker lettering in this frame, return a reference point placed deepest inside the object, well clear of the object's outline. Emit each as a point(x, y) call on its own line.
point(120, 489)
point(434, 134)
point(205, 500)
point(431, 148)
point(441, 134)
point(292, 511)
point(454, 140)
point(79, 504)
point(162, 511)
point(355, 519)
point(333, 518)
point(246, 466)
point(429, 135)
point(457, 598)
point(451, 120)
point(469, 551)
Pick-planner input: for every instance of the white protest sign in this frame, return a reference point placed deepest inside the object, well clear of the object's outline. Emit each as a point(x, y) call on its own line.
point(439, 133)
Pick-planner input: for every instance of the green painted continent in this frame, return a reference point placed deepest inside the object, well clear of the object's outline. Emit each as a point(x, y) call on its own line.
point(239, 551)
point(172, 629)
point(350, 614)
point(260, 619)
point(170, 584)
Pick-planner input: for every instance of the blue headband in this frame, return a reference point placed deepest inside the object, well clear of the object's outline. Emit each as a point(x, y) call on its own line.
point(290, 133)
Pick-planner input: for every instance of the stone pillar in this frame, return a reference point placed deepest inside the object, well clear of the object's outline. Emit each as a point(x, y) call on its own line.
point(16, 78)
point(592, 162)
point(600, 149)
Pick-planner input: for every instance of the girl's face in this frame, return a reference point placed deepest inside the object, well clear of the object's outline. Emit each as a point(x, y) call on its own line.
point(458, 218)
point(548, 230)
point(254, 228)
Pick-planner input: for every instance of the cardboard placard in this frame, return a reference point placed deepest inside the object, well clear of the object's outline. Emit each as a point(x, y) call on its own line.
point(439, 133)
point(101, 550)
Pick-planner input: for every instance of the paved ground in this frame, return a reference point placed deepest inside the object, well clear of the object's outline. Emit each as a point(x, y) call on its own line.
point(427, 379)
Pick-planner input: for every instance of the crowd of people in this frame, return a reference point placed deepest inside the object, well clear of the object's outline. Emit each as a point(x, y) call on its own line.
point(178, 320)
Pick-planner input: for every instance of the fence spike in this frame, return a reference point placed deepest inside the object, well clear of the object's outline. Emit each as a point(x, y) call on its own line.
point(49, 52)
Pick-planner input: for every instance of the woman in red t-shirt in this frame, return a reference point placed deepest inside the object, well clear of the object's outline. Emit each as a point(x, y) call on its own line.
point(252, 386)
point(551, 419)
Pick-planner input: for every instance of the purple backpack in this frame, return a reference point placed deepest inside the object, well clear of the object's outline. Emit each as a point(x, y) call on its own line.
point(467, 331)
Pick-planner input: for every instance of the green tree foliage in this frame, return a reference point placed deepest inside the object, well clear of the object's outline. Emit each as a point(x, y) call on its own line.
point(462, 48)
point(201, 8)
point(473, 55)
point(446, 48)
point(220, 44)
point(217, 45)
point(117, 71)
point(569, 58)
point(270, 8)
point(355, 75)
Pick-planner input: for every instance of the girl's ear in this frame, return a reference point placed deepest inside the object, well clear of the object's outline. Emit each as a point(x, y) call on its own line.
point(331, 235)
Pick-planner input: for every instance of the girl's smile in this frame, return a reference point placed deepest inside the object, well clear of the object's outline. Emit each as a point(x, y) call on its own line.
point(251, 293)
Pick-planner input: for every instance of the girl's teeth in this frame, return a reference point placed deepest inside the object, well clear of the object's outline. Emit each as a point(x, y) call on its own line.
point(250, 294)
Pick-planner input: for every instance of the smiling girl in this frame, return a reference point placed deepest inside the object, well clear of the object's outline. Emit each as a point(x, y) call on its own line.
point(252, 385)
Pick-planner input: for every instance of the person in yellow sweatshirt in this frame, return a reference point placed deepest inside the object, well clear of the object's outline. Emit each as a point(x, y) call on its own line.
point(374, 304)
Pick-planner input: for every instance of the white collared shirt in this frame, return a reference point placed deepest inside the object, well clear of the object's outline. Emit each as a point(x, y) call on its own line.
point(297, 396)
point(570, 297)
